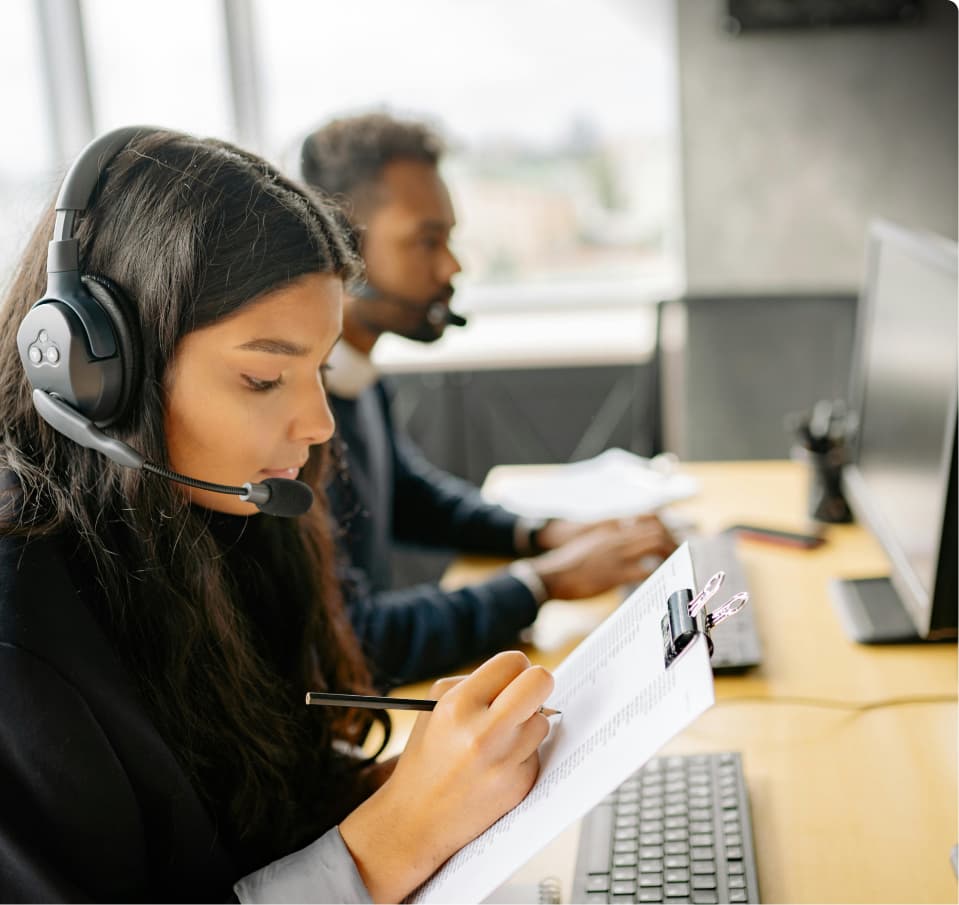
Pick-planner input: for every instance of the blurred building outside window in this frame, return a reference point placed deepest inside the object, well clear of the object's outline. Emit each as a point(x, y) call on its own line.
point(562, 117)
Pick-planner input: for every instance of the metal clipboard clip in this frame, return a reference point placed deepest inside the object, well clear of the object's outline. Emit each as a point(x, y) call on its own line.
point(686, 616)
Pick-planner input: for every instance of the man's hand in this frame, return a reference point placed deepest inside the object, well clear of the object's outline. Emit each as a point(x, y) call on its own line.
point(601, 555)
point(559, 531)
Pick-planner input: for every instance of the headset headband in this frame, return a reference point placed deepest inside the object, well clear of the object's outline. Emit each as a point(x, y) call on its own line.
point(63, 255)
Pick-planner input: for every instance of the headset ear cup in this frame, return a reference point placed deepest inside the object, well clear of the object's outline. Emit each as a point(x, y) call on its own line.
point(126, 326)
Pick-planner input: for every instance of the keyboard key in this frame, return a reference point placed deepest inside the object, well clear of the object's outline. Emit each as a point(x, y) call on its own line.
point(597, 883)
point(703, 854)
point(704, 882)
point(676, 889)
point(623, 873)
point(651, 866)
point(737, 882)
point(624, 859)
point(678, 875)
point(650, 895)
point(705, 897)
point(735, 868)
point(673, 861)
point(648, 881)
point(595, 897)
point(738, 895)
point(676, 848)
point(704, 867)
point(598, 839)
point(734, 853)
point(624, 888)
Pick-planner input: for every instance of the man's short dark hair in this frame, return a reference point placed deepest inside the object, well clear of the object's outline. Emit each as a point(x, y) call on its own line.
point(346, 157)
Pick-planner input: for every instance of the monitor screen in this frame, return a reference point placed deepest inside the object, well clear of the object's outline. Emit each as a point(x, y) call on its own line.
point(904, 392)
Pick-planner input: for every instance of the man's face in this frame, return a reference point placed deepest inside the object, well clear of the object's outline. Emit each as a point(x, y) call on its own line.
point(409, 264)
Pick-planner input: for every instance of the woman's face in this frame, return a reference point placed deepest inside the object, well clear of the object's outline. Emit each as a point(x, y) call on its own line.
point(245, 397)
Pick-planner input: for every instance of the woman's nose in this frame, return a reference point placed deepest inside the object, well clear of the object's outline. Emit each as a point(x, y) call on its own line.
point(314, 422)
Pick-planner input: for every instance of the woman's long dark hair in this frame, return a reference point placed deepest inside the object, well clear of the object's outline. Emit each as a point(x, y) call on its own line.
point(191, 231)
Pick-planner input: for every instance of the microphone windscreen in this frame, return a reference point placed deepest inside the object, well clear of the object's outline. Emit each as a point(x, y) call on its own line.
point(288, 499)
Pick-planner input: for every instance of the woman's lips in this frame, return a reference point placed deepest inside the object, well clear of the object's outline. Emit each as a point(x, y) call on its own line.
point(288, 473)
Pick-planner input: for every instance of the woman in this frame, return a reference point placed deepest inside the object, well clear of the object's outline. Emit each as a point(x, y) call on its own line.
point(156, 641)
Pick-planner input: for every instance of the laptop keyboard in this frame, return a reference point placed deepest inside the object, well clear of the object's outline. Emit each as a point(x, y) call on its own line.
point(678, 830)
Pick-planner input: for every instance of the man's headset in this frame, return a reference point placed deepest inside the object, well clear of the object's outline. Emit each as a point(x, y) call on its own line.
point(80, 345)
point(437, 313)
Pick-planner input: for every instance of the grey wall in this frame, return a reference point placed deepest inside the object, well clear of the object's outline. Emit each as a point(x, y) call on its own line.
point(792, 140)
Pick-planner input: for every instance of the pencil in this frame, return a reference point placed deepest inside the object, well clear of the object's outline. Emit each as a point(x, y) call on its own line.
point(372, 702)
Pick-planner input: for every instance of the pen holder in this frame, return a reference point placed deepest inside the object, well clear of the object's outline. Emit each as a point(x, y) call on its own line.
point(826, 500)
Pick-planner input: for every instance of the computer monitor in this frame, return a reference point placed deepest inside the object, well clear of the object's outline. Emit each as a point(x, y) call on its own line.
point(901, 480)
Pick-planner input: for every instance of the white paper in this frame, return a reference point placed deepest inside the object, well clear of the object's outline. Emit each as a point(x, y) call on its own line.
point(619, 706)
point(614, 484)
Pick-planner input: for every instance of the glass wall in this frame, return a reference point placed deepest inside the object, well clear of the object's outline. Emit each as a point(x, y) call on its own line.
point(561, 116)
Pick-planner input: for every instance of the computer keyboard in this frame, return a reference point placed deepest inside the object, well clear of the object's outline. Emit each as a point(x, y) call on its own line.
point(736, 644)
point(678, 830)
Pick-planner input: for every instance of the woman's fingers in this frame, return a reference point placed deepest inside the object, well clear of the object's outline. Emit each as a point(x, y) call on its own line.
point(485, 683)
point(530, 736)
point(441, 686)
point(523, 696)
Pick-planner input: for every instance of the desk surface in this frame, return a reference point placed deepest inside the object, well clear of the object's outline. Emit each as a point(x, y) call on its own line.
point(847, 806)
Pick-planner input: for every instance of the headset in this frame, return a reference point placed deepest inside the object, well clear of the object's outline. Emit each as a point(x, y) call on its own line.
point(81, 351)
point(437, 313)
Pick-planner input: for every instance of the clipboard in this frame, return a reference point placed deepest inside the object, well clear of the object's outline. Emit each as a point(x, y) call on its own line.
point(620, 705)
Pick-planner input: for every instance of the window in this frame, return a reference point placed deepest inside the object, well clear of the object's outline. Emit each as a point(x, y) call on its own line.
point(562, 116)
point(158, 64)
point(27, 178)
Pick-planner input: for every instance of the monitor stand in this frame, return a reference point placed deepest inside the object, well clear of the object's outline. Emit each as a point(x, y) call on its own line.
point(871, 612)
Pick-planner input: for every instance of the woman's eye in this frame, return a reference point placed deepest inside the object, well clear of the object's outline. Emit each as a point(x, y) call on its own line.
point(261, 386)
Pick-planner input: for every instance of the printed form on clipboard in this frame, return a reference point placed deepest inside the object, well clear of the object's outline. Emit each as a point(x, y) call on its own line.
point(640, 678)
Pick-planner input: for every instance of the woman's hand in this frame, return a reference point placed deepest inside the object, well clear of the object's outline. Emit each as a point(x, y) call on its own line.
point(466, 764)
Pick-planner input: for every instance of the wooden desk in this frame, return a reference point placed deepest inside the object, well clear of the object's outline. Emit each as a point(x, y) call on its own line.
point(847, 806)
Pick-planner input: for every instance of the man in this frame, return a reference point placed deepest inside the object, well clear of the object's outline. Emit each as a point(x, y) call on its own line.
point(384, 173)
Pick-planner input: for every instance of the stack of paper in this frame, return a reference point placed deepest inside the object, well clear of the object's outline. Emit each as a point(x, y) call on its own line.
point(614, 484)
